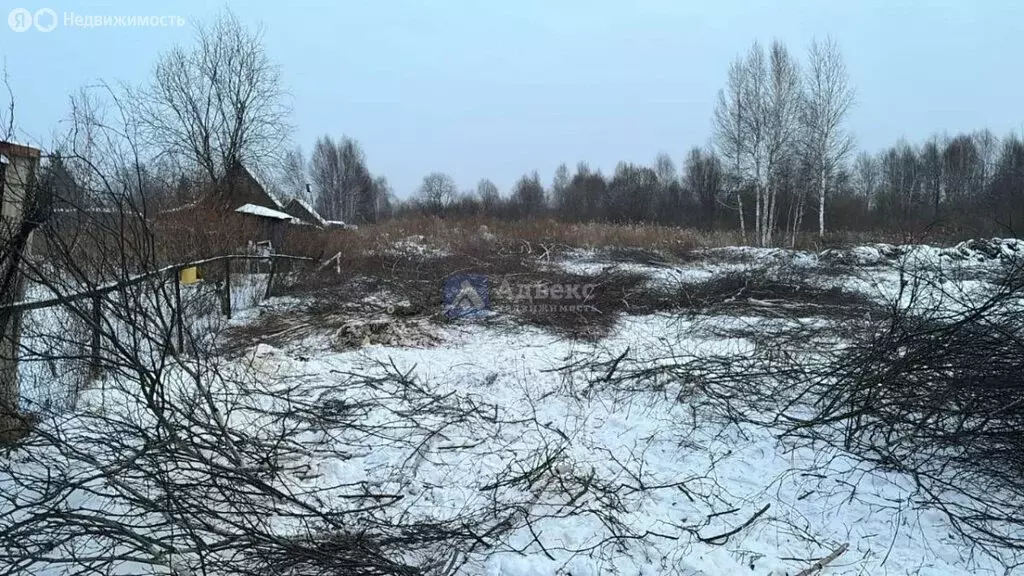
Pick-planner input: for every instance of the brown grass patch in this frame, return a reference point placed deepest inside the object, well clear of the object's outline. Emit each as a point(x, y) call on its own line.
point(395, 272)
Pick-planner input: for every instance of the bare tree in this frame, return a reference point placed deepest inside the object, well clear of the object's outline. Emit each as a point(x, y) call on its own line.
point(632, 193)
point(702, 177)
point(437, 190)
point(756, 125)
point(528, 196)
point(931, 174)
point(381, 197)
point(559, 186)
point(665, 168)
point(988, 150)
point(731, 136)
point(341, 182)
point(755, 98)
point(780, 111)
point(867, 176)
point(828, 99)
point(489, 197)
point(217, 103)
point(587, 195)
point(900, 190)
point(293, 175)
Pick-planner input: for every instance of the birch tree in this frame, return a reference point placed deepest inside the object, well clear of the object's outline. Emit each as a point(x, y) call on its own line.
point(756, 127)
point(731, 137)
point(780, 111)
point(828, 99)
point(340, 179)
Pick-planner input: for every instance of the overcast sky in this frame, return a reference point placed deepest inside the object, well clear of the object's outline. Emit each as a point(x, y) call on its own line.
point(498, 88)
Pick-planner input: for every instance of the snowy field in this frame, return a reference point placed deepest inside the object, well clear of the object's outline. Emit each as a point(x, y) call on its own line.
point(678, 475)
point(605, 456)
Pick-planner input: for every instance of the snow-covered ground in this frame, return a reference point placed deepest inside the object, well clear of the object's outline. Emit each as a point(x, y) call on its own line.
point(713, 475)
point(55, 341)
point(639, 480)
point(918, 276)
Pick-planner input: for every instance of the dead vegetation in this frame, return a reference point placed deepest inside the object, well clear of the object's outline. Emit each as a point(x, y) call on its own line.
point(773, 292)
point(937, 395)
point(390, 293)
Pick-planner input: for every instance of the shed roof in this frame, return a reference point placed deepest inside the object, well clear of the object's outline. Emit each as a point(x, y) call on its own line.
point(263, 212)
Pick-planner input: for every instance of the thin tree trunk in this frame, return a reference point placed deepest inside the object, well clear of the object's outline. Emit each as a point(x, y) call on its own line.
point(792, 220)
point(758, 231)
point(743, 222)
point(821, 206)
point(801, 206)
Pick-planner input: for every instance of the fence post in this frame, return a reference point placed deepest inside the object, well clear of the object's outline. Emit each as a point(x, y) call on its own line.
point(270, 281)
point(94, 360)
point(227, 286)
point(10, 334)
point(179, 315)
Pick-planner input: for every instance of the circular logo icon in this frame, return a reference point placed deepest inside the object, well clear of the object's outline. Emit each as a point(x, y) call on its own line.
point(46, 19)
point(20, 19)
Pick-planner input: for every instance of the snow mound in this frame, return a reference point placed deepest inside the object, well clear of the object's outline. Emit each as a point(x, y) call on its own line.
point(416, 246)
point(979, 251)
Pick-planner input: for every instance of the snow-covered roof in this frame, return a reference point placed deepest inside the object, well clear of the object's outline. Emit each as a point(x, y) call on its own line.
point(17, 144)
point(263, 211)
point(340, 224)
point(308, 208)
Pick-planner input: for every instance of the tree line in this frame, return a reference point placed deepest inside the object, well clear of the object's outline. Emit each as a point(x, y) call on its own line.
point(781, 162)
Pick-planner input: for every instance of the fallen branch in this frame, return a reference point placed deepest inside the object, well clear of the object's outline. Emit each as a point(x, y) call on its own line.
point(724, 537)
point(820, 564)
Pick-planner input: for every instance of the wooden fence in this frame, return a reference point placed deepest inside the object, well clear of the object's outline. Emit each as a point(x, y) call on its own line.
point(169, 272)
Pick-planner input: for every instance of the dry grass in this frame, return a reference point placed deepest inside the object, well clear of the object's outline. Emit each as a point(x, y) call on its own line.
point(547, 236)
point(408, 260)
point(533, 237)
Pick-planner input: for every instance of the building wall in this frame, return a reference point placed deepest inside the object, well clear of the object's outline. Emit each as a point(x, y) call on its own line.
point(20, 171)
